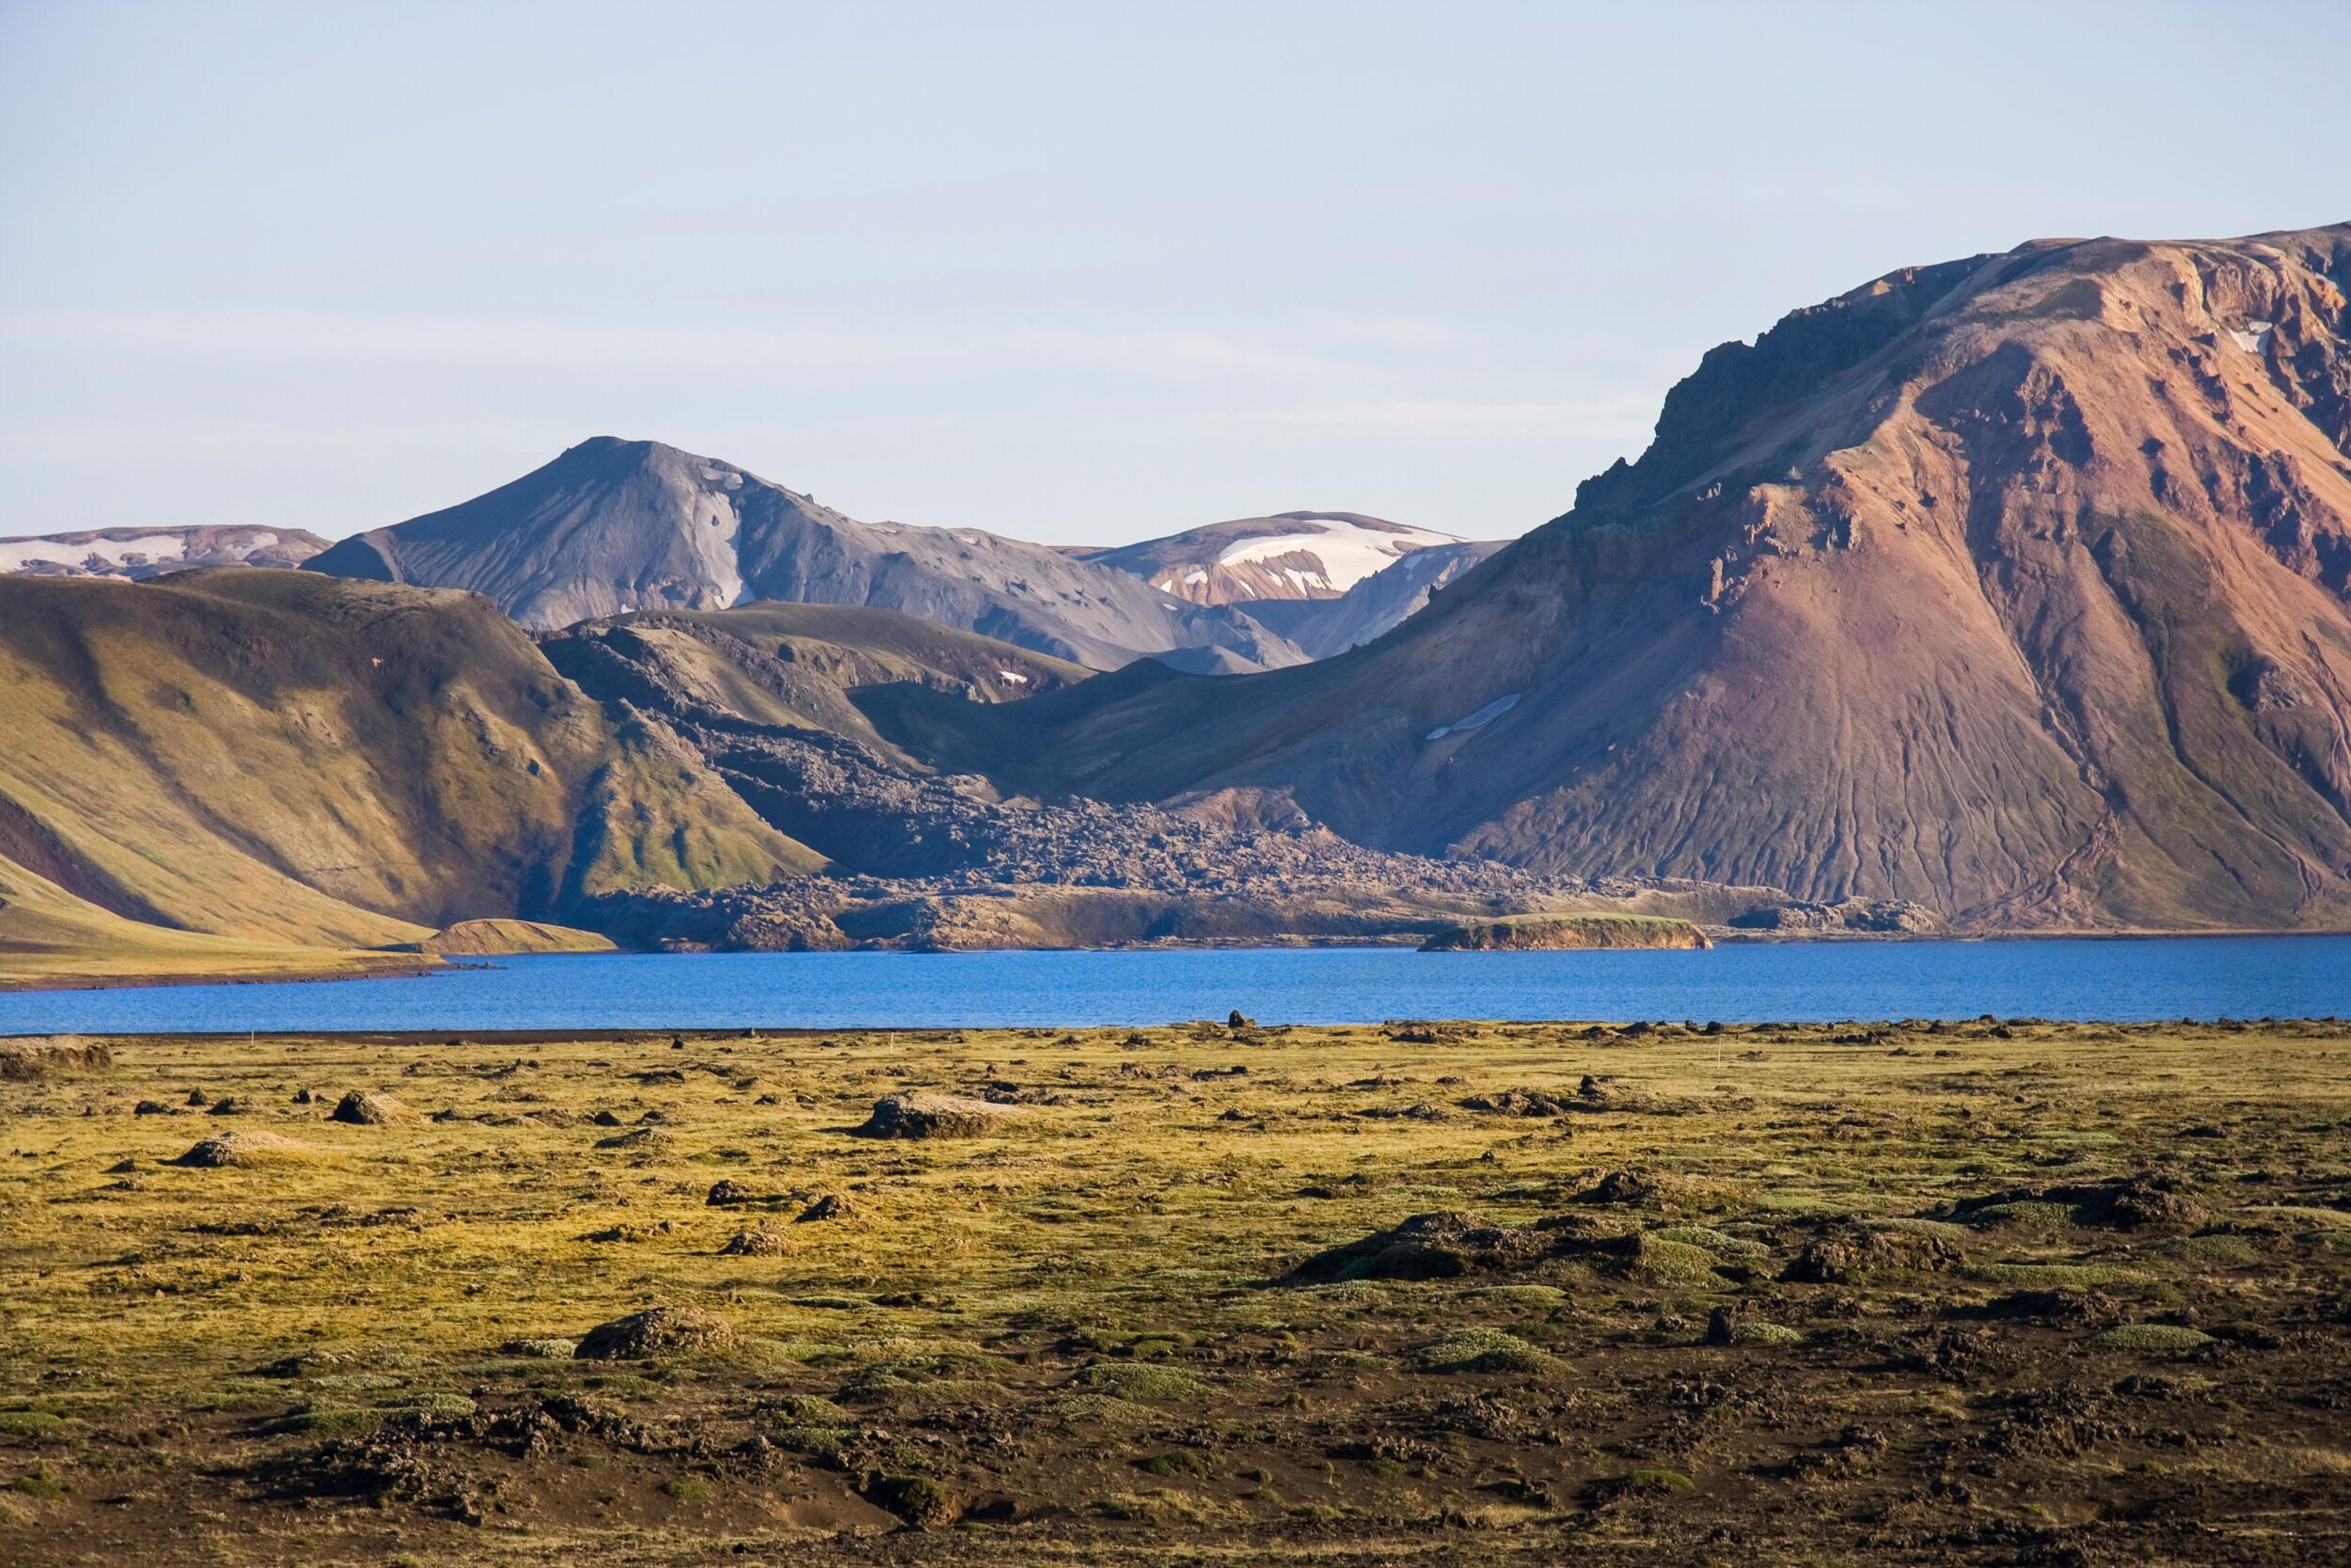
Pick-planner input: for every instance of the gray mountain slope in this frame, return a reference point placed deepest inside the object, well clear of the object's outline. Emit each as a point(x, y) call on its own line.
point(614, 526)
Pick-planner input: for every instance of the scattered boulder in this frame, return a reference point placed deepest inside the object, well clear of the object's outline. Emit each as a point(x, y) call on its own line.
point(244, 1148)
point(831, 1205)
point(933, 1117)
point(1441, 1246)
point(152, 1108)
point(1627, 1186)
point(1239, 1020)
point(730, 1193)
point(921, 1502)
point(230, 1105)
point(656, 1331)
point(1518, 1103)
point(34, 1057)
point(197, 1097)
point(361, 1109)
point(753, 1244)
point(634, 1138)
point(2086, 1308)
point(1849, 1253)
point(605, 1119)
point(2123, 1202)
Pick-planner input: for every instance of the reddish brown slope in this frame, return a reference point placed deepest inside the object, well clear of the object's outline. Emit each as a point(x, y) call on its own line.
point(2016, 586)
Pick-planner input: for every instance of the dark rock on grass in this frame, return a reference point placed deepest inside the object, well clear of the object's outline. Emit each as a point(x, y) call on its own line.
point(197, 1097)
point(605, 1119)
point(752, 1244)
point(1627, 1186)
point(2123, 1202)
point(230, 1105)
point(634, 1138)
point(2087, 1308)
point(730, 1193)
point(919, 1500)
point(1848, 1253)
point(1239, 1020)
point(933, 1116)
point(152, 1108)
point(1721, 1326)
point(657, 1332)
point(361, 1109)
point(1518, 1103)
point(1441, 1246)
point(831, 1205)
point(255, 1148)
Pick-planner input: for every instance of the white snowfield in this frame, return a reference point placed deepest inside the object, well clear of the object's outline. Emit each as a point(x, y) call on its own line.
point(76, 550)
point(1348, 551)
point(117, 550)
point(1478, 720)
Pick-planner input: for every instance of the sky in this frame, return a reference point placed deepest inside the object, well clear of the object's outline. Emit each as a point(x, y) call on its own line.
point(1078, 274)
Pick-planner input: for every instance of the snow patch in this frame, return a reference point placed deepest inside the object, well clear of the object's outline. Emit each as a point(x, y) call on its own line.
point(1478, 720)
point(2254, 336)
point(1015, 676)
point(1348, 552)
point(17, 554)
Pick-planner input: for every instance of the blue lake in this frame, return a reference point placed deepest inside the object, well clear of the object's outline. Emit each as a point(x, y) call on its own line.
point(2200, 977)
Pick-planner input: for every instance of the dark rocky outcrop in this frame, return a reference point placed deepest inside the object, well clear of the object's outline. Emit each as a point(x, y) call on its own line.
point(933, 1117)
point(657, 1332)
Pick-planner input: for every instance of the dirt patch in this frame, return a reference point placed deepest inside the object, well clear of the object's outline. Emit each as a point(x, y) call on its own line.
point(34, 1057)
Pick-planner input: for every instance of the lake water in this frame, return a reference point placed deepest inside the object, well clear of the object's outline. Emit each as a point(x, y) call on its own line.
point(2200, 977)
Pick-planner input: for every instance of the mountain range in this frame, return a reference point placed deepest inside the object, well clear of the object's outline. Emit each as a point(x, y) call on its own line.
point(2018, 586)
point(614, 526)
point(2008, 593)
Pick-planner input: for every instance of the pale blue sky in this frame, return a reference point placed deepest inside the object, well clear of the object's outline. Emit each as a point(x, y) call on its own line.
point(1071, 273)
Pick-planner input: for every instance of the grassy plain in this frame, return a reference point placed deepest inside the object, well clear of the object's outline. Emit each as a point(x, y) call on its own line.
point(1996, 1292)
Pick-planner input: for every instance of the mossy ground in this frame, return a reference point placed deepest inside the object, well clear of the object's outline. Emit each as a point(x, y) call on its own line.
point(1061, 1343)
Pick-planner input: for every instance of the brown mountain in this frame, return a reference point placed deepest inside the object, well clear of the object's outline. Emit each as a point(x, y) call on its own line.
point(611, 527)
point(2018, 586)
point(275, 761)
